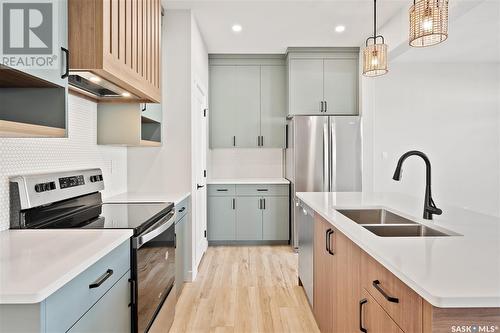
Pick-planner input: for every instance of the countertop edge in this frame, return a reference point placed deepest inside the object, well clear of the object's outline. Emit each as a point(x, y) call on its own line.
point(249, 181)
point(67, 277)
point(436, 301)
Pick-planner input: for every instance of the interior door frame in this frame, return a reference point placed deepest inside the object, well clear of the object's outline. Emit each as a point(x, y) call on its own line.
point(198, 89)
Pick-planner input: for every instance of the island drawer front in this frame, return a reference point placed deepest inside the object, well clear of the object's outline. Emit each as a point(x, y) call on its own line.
point(182, 208)
point(262, 190)
point(221, 190)
point(407, 310)
point(68, 304)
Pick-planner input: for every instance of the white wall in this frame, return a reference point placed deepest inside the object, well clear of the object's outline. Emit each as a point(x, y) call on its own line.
point(449, 111)
point(79, 150)
point(245, 163)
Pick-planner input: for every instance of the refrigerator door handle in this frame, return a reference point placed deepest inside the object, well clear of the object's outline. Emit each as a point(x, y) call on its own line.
point(326, 159)
point(333, 156)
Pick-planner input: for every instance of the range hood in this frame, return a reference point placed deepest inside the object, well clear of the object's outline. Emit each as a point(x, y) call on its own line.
point(89, 84)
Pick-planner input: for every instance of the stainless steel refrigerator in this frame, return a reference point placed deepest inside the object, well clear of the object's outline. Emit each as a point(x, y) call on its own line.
point(323, 154)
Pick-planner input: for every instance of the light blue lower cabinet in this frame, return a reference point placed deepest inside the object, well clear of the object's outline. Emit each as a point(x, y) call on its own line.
point(221, 218)
point(253, 213)
point(111, 314)
point(275, 221)
point(248, 218)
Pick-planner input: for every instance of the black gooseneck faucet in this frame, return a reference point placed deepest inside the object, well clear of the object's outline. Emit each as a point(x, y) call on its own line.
point(429, 205)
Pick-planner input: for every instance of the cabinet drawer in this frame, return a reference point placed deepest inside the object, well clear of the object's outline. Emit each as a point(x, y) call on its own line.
point(373, 318)
point(402, 304)
point(68, 304)
point(262, 190)
point(182, 208)
point(111, 314)
point(221, 190)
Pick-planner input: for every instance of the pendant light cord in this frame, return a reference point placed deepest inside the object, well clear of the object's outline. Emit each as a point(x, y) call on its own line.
point(374, 18)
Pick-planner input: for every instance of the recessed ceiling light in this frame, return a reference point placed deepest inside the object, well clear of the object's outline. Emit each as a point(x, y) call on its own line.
point(125, 94)
point(95, 79)
point(236, 28)
point(340, 28)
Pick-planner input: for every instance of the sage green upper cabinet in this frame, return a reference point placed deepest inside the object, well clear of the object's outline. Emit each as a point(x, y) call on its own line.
point(247, 106)
point(223, 103)
point(305, 86)
point(272, 106)
point(341, 86)
point(247, 101)
point(323, 81)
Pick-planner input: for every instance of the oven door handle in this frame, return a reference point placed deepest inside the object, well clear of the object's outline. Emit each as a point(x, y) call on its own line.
point(157, 229)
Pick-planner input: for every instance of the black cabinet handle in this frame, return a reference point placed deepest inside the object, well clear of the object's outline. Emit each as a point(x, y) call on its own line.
point(198, 186)
point(376, 284)
point(326, 106)
point(321, 107)
point(234, 141)
point(329, 244)
point(361, 303)
point(182, 209)
point(66, 73)
point(97, 283)
point(262, 190)
point(234, 203)
point(222, 190)
point(263, 203)
point(144, 108)
point(262, 141)
point(286, 136)
point(260, 203)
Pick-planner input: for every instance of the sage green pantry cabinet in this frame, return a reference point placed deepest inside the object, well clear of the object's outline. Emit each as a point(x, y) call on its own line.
point(323, 81)
point(247, 101)
point(248, 213)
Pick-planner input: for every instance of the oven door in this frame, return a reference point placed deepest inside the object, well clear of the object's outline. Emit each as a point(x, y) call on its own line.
point(154, 256)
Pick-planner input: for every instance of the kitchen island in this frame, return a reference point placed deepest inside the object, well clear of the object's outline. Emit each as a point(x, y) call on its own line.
point(448, 280)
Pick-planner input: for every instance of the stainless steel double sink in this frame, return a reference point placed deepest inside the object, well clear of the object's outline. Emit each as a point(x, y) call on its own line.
point(384, 223)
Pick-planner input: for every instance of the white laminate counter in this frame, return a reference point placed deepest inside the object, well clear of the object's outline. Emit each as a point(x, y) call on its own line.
point(36, 263)
point(176, 198)
point(456, 271)
point(250, 181)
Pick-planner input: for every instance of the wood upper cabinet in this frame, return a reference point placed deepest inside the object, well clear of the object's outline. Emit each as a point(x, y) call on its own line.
point(119, 41)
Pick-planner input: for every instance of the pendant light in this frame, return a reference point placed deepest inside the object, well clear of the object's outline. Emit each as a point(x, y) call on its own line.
point(375, 55)
point(428, 22)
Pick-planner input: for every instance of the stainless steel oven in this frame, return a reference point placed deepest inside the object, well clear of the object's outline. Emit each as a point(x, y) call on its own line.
point(153, 259)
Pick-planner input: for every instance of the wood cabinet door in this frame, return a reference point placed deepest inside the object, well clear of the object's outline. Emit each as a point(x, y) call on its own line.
point(221, 218)
point(341, 86)
point(346, 283)
point(272, 106)
point(373, 318)
point(248, 218)
point(275, 220)
point(247, 108)
point(323, 277)
point(305, 86)
point(223, 103)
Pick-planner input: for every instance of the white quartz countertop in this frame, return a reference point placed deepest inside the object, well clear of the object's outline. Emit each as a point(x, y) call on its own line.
point(36, 263)
point(243, 181)
point(456, 271)
point(176, 198)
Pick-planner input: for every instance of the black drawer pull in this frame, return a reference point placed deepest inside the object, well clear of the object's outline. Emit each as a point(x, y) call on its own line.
point(376, 284)
point(361, 303)
point(222, 190)
point(182, 209)
point(97, 283)
point(262, 190)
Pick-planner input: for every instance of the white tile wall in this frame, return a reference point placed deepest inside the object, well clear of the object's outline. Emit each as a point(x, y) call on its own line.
point(245, 163)
point(79, 150)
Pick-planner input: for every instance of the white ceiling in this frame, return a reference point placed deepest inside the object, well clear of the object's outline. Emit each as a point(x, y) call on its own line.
point(272, 26)
point(473, 37)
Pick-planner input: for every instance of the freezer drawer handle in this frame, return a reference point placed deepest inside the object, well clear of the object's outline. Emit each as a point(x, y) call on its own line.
point(361, 303)
point(97, 283)
point(376, 284)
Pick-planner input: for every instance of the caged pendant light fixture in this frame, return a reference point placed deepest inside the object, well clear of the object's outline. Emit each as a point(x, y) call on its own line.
point(428, 22)
point(375, 55)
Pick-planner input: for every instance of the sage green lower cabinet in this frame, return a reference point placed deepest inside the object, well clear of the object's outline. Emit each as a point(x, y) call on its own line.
point(221, 218)
point(248, 218)
point(248, 213)
point(275, 220)
point(111, 314)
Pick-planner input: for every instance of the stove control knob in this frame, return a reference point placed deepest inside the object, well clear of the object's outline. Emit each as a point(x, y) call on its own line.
point(39, 188)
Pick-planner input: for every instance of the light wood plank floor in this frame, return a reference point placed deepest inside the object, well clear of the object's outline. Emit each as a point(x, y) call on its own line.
point(245, 289)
